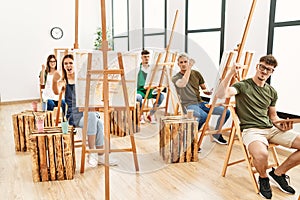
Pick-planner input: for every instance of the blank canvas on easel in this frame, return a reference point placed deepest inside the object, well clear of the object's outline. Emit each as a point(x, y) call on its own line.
point(157, 74)
point(116, 95)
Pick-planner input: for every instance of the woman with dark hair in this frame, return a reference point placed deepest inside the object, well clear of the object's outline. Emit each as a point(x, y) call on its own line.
point(46, 77)
point(75, 118)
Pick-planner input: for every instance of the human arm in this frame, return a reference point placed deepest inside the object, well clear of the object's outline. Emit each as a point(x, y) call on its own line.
point(42, 75)
point(185, 79)
point(204, 89)
point(224, 89)
point(55, 84)
point(283, 125)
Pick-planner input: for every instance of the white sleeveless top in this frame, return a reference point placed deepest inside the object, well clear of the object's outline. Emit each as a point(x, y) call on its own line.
point(48, 92)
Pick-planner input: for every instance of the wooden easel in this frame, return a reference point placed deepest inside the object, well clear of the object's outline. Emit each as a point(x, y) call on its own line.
point(238, 77)
point(163, 74)
point(106, 107)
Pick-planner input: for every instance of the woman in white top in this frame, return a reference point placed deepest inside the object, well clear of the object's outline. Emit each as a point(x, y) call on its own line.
point(46, 78)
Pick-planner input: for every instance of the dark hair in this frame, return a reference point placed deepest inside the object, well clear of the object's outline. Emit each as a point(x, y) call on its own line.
point(64, 73)
point(48, 61)
point(269, 59)
point(145, 52)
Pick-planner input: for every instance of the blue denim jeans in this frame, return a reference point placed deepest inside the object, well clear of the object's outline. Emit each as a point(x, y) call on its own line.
point(95, 127)
point(201, 111)
point(139, 98)
point(51, 104)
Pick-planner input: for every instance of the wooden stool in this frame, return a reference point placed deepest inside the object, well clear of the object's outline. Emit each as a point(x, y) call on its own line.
point(23, 124)
point(118, 121)
point(53, 156)
point(178, 139)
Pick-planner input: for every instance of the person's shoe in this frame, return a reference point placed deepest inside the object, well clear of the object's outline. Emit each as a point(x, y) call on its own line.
point(199, 150)
point(112, 162)
point(92, 159)
point(264, 187)
point(142, 121)
point(151, 118)
point(219, 139)
point(281, 182)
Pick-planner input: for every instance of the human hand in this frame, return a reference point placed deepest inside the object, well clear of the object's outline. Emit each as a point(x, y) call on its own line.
point(61, 83)
point(235, 68)
point(43, 67)
point(283, 125)
point(208, 92)
point(56, 76)
point(191, 62)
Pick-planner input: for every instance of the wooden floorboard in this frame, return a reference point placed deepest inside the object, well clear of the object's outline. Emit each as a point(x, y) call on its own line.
point(156, 180)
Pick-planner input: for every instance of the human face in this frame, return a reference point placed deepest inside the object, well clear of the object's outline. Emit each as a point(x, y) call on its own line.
point(68, 66)
point(183, 63)
point(264, 71)
point(145, 59)
point(52, 63)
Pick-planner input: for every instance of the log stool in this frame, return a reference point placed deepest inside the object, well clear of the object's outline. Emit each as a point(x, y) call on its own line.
point(178, 139)
point(118, 121)
point(53, 156)
point(23, 124)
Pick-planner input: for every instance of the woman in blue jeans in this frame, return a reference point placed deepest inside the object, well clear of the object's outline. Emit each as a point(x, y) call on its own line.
point(95, 129)
point(187, 83)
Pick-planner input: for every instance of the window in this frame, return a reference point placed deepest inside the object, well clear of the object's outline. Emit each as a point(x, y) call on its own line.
point(154, 25)
point(120, 24)
point(284, 45)
point(204, 27)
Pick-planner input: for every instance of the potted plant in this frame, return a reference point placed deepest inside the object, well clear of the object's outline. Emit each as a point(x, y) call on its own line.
point(98, 39)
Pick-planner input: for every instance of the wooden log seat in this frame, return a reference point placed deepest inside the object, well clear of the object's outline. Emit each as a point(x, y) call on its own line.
point(24, 123)
point(53, 156)
point(118, 121)
point(178, 139)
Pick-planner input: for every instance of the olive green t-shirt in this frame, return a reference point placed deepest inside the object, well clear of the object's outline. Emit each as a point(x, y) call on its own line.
point(253, 102)
point(189, 94)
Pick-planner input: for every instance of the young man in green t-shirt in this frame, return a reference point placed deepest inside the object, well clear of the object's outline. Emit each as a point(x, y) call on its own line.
point(255, 107)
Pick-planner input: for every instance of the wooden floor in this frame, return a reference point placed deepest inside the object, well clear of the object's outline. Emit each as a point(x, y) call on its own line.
point(156, 180)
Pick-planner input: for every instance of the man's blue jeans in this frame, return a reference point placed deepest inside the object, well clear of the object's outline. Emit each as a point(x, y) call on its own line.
point(201, 111)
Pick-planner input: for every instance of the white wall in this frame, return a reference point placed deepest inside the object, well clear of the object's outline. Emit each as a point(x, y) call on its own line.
point(236, 17)
point(25, 35)
point(26, 42)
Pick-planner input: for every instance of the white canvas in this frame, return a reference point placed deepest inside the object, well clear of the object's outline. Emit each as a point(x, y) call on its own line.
point(115, 91)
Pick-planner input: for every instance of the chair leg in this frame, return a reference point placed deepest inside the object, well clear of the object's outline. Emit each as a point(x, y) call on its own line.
point(229, 150)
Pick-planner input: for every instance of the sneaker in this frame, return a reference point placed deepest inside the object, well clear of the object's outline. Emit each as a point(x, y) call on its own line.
point(219, 139)
point(142, 121)
point(281, 182)
point(151, 118)
point(264, 187)
point(112, 162)
point(92, 159)
point(199, 150)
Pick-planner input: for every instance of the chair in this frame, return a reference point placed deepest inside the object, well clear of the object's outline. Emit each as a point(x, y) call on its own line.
point(236, 135)
point(226, 63)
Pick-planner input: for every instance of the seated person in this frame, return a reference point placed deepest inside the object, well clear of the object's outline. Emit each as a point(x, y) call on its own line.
point(141, 91)
point(95, 125)
point(255, 106)
point(46, 77)
point(187, 83)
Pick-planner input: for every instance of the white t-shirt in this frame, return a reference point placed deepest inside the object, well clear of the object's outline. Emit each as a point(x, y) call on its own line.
point(48, 92)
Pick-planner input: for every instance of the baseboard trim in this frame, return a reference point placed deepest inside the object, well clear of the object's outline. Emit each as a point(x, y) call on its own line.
point(18, 102)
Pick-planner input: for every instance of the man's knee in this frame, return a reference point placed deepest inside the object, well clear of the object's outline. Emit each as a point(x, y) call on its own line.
point(258, 150)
